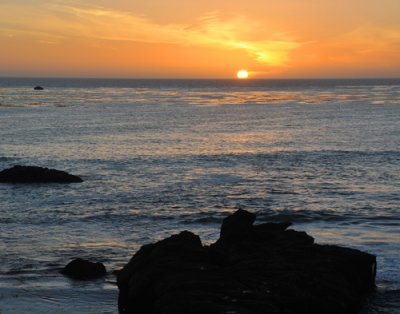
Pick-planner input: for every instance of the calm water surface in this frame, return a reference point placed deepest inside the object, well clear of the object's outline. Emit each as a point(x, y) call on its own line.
point(161, 156)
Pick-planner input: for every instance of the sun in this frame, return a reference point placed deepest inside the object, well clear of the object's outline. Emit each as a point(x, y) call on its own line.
point(242, 74)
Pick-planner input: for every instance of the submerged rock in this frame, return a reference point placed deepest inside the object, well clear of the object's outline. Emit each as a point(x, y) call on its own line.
point(31, 174)
point(251, 269)
point(82, 269)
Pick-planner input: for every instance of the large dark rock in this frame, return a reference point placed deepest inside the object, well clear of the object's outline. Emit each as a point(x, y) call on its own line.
point(31, 174)
point(82, 269)
point(38, 88)
point(266, 270)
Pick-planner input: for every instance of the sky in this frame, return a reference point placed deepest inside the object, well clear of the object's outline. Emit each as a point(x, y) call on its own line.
point(200, 39)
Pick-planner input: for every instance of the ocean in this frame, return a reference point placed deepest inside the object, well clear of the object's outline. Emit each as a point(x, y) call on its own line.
point(161, 156)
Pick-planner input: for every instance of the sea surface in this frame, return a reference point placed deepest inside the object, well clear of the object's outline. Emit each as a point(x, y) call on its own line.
point(161, 156)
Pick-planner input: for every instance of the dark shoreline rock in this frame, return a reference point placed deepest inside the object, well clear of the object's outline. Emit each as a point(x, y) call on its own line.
point(82, 269)
point(38, 88)
point(251, 269)
point(31, 174)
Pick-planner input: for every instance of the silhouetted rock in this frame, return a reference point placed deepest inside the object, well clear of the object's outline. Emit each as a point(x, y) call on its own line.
point(249, 270)
point(31, 174)
point(237, 225)
point(82, 269)
point(38, 88)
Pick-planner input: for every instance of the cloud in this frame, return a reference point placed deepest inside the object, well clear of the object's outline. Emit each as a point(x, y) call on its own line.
point(65, 20)
point(232, 34)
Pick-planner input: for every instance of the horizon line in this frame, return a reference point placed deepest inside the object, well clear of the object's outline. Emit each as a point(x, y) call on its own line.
point(199, 79)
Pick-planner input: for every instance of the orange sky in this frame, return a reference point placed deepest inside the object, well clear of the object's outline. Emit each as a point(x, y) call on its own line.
point(200, 39)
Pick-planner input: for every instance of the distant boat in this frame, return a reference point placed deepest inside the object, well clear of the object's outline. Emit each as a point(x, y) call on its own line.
point(38, 88)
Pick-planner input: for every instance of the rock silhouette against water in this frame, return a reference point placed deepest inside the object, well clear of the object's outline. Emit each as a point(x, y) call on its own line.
point(31, 174)
point(82, 269)
point(251, 269)
point(38, 88)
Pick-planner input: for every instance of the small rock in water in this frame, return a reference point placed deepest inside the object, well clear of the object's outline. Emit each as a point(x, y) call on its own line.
point(32, 174)
point(38, 88)
point(82, 269)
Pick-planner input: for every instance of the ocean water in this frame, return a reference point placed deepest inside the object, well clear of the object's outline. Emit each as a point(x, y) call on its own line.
point(161, 156)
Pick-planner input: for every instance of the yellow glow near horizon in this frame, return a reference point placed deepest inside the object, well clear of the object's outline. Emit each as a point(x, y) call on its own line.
point(242, 74)
point(276, 39)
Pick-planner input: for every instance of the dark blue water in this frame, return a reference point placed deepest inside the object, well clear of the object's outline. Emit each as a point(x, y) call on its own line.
point(161, 156)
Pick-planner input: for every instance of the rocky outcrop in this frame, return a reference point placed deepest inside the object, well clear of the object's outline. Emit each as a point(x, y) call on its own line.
point(31, 174)
point(82, 269)
point(251, 269)
point(38, 88)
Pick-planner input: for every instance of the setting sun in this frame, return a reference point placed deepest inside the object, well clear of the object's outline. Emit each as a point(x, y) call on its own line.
point(242, 74)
